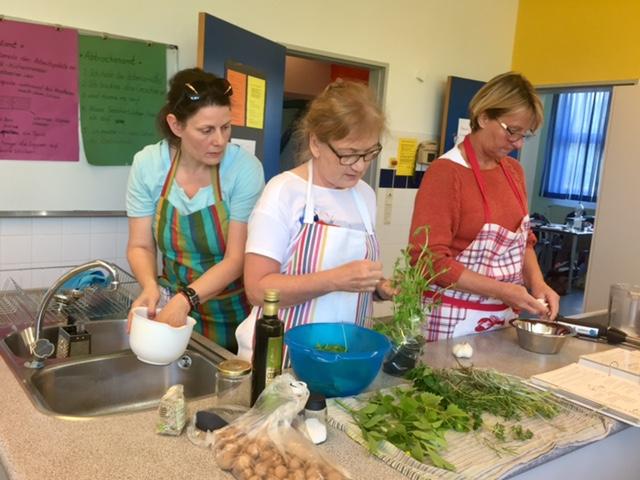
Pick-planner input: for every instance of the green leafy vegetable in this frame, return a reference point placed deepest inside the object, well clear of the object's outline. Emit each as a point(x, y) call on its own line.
point(410, 279)
point(413, 421)
point(520, 434)
point(478, 391)
point(331, 348)
point(498, 431)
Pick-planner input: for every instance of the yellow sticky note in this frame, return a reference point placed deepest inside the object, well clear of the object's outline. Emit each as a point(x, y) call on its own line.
point(256, 98)
point(407, 156)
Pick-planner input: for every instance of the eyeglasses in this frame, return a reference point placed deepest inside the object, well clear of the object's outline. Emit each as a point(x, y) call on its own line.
point(513, 135)
point(196, 91)
point(353, 158)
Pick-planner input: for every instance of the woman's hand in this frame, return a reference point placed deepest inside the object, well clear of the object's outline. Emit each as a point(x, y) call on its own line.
point(518, 298)
point(385, 290)
point(358, 276)
point(550, 297)
point(148, 298)
point(175, 312)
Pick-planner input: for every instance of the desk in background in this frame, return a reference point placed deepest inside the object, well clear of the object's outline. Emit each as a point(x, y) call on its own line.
point(558, 237)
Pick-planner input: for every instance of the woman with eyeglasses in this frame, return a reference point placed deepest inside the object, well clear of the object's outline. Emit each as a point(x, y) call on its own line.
point(189, 196)
point(474, 200)
point(311, 235)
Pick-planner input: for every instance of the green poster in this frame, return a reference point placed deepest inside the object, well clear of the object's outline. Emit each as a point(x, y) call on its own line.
point(122, 87)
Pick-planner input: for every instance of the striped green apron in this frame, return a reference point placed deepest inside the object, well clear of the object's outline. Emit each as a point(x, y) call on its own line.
point(192, 244)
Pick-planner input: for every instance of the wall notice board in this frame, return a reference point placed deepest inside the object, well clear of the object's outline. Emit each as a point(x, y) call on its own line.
point(75, 106)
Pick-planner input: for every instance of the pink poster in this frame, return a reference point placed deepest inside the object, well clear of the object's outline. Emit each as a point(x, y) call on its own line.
point(38, 92)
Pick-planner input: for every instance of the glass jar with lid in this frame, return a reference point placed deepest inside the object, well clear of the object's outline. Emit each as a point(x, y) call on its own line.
point(233, 384)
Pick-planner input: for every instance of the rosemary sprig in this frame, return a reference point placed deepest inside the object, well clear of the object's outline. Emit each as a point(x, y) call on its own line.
point(478, 391)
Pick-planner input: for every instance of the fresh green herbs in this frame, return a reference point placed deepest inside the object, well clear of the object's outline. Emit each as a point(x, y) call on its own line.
point(519, 433)
point(413, 421)
point(415, 418)
point(336, 348)
point(410, 279)
point(478, 391)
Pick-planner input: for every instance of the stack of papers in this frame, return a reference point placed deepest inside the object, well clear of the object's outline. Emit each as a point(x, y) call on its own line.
point(608, 382)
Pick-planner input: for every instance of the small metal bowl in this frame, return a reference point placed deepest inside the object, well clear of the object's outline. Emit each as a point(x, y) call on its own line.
point(539, 336)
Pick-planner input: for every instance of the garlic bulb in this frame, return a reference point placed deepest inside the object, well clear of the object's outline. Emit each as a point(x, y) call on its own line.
point(462, 350)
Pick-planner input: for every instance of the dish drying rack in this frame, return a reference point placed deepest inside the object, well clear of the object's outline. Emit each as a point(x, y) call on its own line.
point(19, 307)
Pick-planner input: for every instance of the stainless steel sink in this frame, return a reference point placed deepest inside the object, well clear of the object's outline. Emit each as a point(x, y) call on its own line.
point(118, 382)
point(111, 379)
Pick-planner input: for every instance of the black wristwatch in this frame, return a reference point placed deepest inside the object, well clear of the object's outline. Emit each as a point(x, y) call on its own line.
point(192, 297)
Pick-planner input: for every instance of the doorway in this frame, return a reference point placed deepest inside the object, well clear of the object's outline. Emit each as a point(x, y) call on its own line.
point(307, 73)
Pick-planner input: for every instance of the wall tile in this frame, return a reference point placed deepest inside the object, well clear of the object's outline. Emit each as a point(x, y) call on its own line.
point(122, 225)
point(15, 249)
point(386, 178)
point(46, 248)
point(45, 277)
point(103, 245)
point(121, 244)
point(76, 248)
point(400, 181)
point(15, 226)
point(47, 226)
point(72, 226)
point(414, 181)
point(123, 264)
point(104, 225)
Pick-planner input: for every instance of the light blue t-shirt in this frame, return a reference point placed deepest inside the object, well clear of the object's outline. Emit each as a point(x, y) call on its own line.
point(241, 177)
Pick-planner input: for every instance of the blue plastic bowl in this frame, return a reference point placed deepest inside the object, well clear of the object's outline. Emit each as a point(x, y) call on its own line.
point(336, 374)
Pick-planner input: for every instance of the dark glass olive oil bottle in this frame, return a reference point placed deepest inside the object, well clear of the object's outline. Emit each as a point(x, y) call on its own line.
point(267, 345)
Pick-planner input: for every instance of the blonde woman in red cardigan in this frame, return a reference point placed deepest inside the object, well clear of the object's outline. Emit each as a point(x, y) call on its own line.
point(474, 200)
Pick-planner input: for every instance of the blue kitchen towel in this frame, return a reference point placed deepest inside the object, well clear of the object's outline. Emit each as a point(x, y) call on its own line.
point(86, 279)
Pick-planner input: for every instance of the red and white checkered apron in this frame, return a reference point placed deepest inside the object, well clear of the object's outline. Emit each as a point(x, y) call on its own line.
point(496, 252)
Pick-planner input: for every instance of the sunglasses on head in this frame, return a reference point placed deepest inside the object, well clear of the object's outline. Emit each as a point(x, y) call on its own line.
point(194, 91)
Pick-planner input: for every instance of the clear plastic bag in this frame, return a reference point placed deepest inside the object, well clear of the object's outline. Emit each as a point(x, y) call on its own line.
point(270, 442)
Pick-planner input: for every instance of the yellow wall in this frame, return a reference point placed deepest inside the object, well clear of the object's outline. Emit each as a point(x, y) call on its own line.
point(577, 41)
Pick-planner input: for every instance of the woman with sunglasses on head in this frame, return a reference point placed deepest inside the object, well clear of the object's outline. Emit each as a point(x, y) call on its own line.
point(474, 200)
point(311, 235)
point(189, 196)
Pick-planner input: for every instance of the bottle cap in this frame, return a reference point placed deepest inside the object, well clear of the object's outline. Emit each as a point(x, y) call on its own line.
point(234, 368)
point(271, 295)
point(316, 402)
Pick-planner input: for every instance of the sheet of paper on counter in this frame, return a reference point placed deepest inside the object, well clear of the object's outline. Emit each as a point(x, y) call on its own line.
point(609, 394)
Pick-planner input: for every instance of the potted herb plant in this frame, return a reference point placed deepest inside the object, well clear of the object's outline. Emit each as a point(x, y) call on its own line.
point(410, 279)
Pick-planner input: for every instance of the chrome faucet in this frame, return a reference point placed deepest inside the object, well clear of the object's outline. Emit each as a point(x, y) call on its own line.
point(42, 348)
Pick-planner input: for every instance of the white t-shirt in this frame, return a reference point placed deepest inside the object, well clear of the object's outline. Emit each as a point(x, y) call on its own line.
point(278, 215)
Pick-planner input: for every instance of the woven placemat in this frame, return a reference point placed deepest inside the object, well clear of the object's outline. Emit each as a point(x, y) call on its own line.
point(478, 455)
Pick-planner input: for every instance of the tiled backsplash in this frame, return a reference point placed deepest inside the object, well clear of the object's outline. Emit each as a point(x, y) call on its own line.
point(36, 251)
point(389, 179)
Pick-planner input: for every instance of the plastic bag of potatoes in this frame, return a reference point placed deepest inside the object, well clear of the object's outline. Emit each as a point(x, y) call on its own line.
point(266, 444)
